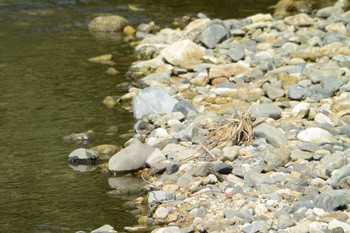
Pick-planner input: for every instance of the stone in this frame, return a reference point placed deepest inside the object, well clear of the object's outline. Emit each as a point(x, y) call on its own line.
point(222, 168)
point(266, 111)
point(248, 93)
point(161, 212)
point(184, 54)
point(184, 106)
point(300, 20)
point(284, 221)
point(328, 11)
point(110, 23)
point(241, 213)
point(130, 158)
point(297, 92)
point(236, 53)
point(276, 158)
point(274, 92)
point(213, 34)
point(105, 151)
point(271, 134)
point(315, 135)
point(104, 229)
point(334, 223)
point(299, 154)
point(301, 109)
point(338, 175)
point(153, 100)
point(125, 185)
point(230, 153)
point(155, 157)
point(226, 70)
point(345, 130)
point(171, 229)
point(159, 197)
point(83, 156)
point(259, 226)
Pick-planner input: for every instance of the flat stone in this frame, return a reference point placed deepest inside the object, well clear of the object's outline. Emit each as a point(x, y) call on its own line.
point(299, 154)
point(160, 196)
point(130, 158)
point(271, 134)
point(315, 135)
point(213, 34)
point(153, 100)
point(266, 111)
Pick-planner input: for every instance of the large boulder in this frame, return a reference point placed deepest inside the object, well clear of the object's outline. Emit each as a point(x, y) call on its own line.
point(109, 23)
point(184, 53)
point(130, 158)
point(153, 100)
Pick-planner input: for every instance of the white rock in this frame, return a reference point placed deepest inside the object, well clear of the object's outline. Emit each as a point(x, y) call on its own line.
point(315, 135)
point(161, 134)
point(301, 109)
point(183, 53)
point(321, 118)
point(161, 212)
point(104, 229)
point(173, 229)
point(334, 223)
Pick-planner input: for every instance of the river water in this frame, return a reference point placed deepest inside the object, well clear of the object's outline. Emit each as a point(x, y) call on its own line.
point(49, 89)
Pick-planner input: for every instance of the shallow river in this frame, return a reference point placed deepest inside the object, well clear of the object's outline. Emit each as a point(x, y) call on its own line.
point(48, 89)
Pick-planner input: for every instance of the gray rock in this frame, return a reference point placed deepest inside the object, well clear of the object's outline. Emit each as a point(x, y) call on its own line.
point(266, 111)
point(172, 168)
point(160, 196)
point(156, 77)
point(184, 180)
point(236, 53)
point(339, 174)
point(202, 169)
point(104, 229)
point(345, 130)
point(130, 158)
point(184, 106)
point(154, 158)
point(230, 153)
point(184, 53)
point(153, 100)
point(222, 168)
point(213, 34)
point(271, 134)
point(110, 23)
point(274, 92)
point(276, 158)
point(284, 221)
point(328, 11)
point(299, 154)
point(329, 200)
point(83, 156)
point(332, 84)
point(259, 226)
point(297, 92)
point(241, 213)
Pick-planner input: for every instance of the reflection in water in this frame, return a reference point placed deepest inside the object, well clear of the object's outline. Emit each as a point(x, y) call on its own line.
point(48, 89)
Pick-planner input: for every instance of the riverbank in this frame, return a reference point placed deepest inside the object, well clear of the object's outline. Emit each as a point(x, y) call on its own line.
point(243, 124)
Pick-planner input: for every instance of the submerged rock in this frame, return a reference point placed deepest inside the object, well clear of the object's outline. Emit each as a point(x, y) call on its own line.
point(110, 23)
point(83, 156)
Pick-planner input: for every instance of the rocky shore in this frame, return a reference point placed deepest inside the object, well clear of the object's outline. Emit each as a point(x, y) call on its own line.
point(243, 125)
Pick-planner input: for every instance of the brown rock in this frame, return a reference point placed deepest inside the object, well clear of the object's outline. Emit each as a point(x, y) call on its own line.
point(226, 70)
point(217, 81)
point(301, 20)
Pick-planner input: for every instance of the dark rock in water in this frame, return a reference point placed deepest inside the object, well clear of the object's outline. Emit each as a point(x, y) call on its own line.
point(184, 106)
point(130, 158)
point(110, 23)
point(83, 156)
point(271, 134)
point(126, 184)
point(213, 34)
point(160, 196)
point(296, 92)
point(329, 200)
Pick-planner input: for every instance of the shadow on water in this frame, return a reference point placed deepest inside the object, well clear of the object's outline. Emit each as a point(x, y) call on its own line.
point(48, 90)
